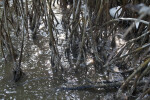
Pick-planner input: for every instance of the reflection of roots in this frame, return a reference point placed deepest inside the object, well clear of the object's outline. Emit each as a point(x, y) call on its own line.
point(17, 74)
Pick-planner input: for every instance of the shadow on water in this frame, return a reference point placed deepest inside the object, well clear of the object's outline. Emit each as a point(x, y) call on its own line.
point(39, 82)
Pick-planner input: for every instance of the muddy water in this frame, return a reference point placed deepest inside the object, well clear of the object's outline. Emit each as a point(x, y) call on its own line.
point(39, 81)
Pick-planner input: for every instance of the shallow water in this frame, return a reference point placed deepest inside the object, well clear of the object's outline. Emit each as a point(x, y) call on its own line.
point(39, 81)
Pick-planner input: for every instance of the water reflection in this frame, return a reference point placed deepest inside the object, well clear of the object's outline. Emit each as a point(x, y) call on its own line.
point(39, 81)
